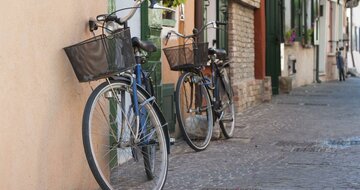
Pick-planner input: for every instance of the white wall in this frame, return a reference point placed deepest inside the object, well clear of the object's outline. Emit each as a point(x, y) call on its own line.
point(356, 22)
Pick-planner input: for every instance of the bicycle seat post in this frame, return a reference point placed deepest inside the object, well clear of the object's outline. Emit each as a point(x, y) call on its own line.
point(138, 68)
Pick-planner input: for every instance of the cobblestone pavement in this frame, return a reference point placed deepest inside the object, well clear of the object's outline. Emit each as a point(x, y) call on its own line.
point(308, 139)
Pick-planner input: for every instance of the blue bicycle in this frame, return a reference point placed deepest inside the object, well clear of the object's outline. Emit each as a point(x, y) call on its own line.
point(125, 135)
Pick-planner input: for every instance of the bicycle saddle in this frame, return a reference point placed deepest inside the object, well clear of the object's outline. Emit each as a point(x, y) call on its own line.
point(144, 45)
point(220, 53)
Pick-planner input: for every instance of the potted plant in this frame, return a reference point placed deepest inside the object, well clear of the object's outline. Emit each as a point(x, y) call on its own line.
point(173, 3)
point(310, 33)
point(290, 37)
point(308, 37)
point(168, 16)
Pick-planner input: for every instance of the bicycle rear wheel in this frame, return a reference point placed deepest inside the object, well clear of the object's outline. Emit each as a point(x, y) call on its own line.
point(194, 111)
point(227, 109)
point(117, 159)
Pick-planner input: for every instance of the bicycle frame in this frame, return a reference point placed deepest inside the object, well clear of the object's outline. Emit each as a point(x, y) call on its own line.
point(211, 85)
point(138, 74)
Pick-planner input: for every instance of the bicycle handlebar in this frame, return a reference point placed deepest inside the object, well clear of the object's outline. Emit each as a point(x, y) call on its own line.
point(195, 31)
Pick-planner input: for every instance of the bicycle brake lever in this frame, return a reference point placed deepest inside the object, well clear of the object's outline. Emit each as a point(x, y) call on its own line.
point(167, 37)
point(214, 24)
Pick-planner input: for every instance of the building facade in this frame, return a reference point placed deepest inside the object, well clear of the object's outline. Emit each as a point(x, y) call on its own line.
point(310, 33)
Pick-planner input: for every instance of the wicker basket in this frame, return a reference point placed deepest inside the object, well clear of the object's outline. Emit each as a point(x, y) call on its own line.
point(101, 56)
point(187, 56)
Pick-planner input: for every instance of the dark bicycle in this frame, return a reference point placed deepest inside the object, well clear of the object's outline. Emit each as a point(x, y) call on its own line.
point(201, 100)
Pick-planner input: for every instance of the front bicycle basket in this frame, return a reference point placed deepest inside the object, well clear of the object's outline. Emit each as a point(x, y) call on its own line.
point(101, 56)
point(187, 56)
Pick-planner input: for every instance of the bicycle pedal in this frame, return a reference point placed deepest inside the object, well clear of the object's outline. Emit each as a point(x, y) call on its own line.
point(135, 154)
point(219, 114)
point(227, 120)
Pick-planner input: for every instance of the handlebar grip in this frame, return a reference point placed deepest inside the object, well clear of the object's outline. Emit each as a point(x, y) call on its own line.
point(221, 23)
point(106, 17)
point(195, 31)
point(167, 37)
point(111, 17)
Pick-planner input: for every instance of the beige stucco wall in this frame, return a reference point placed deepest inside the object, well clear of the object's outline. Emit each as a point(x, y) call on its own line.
point(41, 103)
point(305, 64)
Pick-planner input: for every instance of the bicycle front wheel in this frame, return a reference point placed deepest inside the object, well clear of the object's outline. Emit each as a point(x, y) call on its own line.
point(117, 156)
point(227, 109)
point(194, 111)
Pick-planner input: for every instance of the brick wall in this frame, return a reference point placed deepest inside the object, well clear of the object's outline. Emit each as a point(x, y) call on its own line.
point(249, 3)
point(248, 91)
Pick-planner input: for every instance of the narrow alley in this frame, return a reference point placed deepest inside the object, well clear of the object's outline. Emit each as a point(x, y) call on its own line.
point(308, 139)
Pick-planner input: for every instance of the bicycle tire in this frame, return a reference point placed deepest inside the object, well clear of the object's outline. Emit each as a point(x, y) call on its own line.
point(227, 119)
point(148, 161)
point(118, 112)
point(196, 128)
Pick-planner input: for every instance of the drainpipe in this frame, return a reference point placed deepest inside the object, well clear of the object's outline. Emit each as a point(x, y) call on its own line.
point(317, 64)
point(199, 15)
point(317, 49)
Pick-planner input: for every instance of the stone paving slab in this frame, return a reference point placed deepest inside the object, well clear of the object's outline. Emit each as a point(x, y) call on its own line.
point(308, 139)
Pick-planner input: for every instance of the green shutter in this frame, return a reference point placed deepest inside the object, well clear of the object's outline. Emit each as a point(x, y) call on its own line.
point(222, 15)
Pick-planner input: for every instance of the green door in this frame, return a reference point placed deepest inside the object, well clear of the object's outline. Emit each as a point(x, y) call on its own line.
point(273, 40)
point(151, 30)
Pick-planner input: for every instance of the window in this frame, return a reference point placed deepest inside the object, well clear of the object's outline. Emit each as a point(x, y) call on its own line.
point(341, 22)
point(308, 21)
point(287, 17)
point(168, 17)
point(315, 14)
point(299, 17)
point(333, 26)
point(296, 17)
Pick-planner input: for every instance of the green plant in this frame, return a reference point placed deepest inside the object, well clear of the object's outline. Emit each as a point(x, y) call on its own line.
point(309, 34)
point(288, 35)
point(173, 3)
